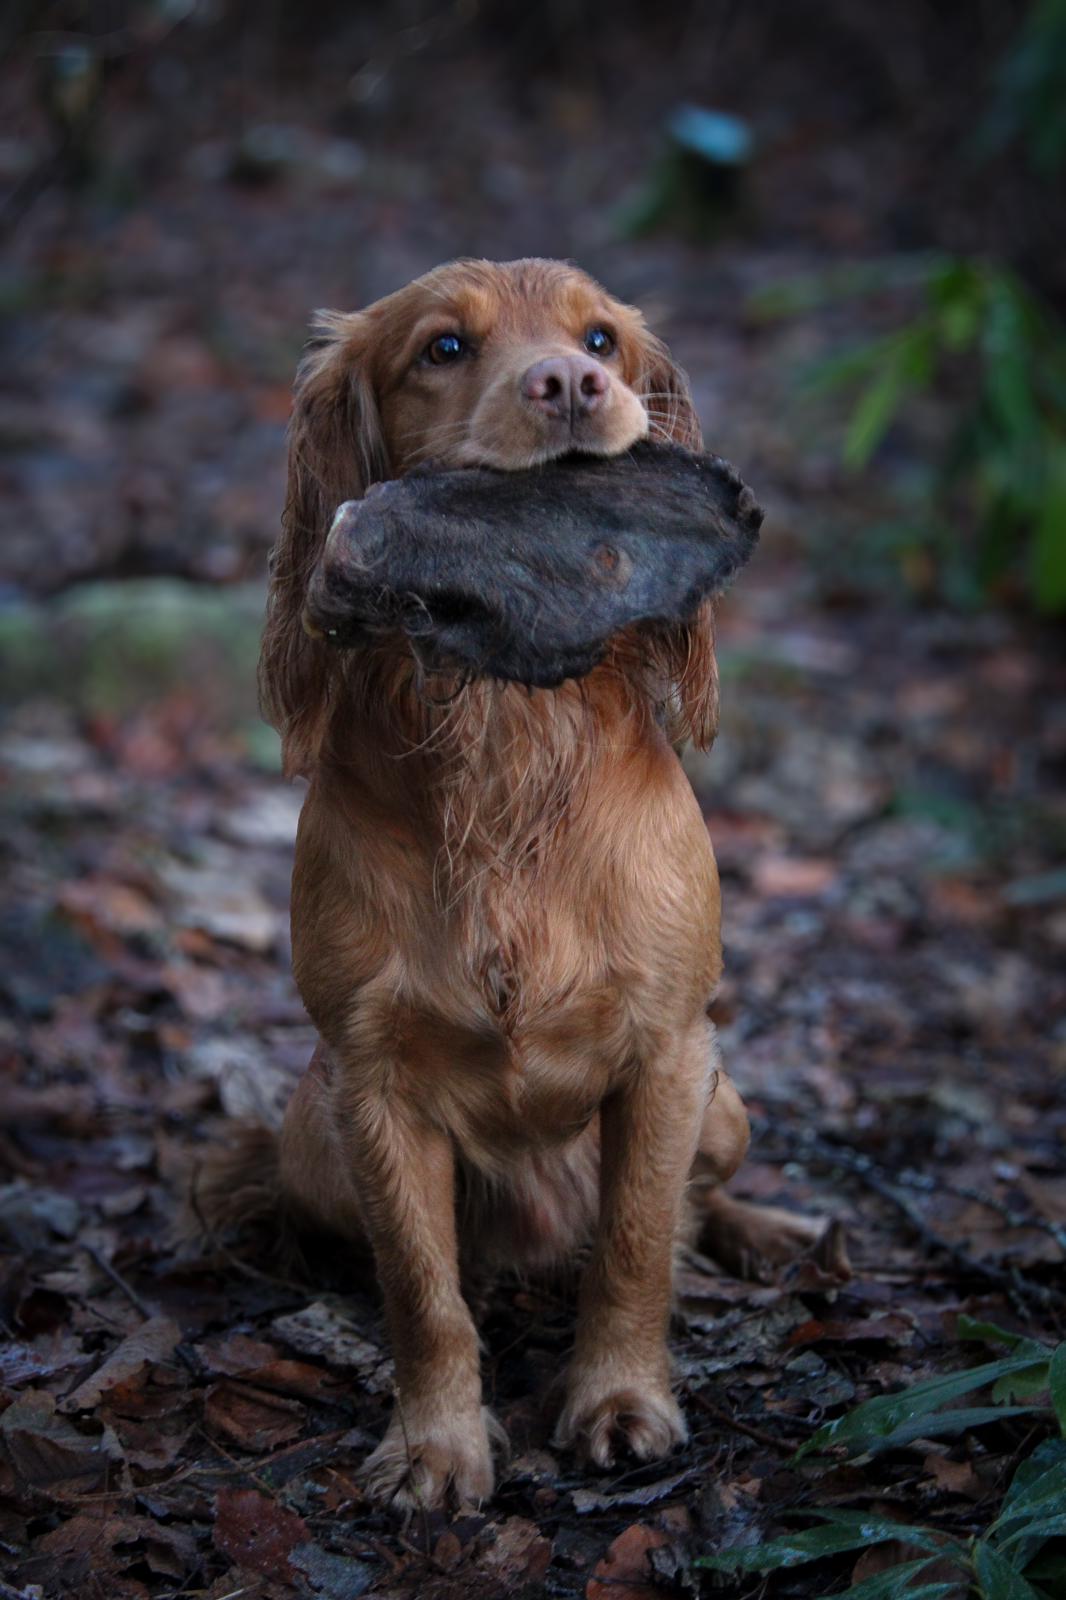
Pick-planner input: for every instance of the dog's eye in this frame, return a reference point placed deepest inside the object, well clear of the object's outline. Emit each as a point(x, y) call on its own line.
point(598, 342)
point(444, 348)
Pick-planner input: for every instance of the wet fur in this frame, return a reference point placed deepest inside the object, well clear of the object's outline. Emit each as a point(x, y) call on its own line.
point(505, 908)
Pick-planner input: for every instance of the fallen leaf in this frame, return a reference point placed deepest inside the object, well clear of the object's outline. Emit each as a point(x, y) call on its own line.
point(792, 878)
point(585, 1500)
point(257, 1532)
point(46, 1449)
point(519, 1555)
point(325, 1329)
point(251, 1418)
point(625, 1569)
point(888, 1329)
point(149, 1345)
point(52, 1353)
point(892, 1553)
point(30, 1218)
point(332, 1576)
point(953, 1477)
point(219, 901)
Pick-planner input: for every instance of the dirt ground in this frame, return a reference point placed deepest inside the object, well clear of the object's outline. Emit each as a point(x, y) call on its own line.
point(885, 801)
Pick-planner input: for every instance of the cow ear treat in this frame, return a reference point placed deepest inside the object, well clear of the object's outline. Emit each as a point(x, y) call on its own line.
point(527, 576)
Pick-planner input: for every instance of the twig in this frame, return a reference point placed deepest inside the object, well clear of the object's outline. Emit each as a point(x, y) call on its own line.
point(245, 1470)
point(233, 1260)
point(118, 1280)
point(818, 1151)
point(741, 1426)
point(925, 1184)
point(184, 1356)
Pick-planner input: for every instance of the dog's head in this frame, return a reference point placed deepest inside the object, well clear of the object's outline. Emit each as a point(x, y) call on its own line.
point(476, 364)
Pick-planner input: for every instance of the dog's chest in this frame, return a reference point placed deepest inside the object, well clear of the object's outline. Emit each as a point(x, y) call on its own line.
point(511, 1093)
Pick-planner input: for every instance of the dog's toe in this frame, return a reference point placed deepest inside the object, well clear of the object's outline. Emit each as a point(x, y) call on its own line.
point(644, 1423)
point(433, 1464)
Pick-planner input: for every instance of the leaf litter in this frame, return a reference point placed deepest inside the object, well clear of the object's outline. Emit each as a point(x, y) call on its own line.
point(185, 1420)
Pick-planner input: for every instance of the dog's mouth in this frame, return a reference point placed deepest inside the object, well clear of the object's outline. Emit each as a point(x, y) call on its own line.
point(565, 451)
point(529, 582)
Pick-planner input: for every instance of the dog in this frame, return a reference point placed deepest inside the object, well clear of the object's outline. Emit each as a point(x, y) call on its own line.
point(505, 907)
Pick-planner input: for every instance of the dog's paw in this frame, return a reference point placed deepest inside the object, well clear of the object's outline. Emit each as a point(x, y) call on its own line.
point(423, 1463)
point(604, 1420)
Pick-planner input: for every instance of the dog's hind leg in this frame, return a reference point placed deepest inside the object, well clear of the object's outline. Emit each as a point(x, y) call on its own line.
point(285, 1186)
point(742, 1237)
point(314, 1168)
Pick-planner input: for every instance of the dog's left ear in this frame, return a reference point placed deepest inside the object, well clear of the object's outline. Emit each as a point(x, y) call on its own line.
point(336, 450)
point(680, 658)
point(664, 390)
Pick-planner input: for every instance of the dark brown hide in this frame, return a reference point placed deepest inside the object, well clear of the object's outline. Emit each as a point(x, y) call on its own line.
point(528, 575)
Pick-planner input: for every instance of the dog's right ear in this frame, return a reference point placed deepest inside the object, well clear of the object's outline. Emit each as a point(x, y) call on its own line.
point(336, 450)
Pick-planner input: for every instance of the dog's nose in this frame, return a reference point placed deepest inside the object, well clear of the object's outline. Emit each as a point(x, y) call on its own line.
point(565, 387)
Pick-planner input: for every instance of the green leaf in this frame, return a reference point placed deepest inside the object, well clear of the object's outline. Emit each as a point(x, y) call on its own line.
point(1040, 1529)
point(1057, 1385)
point(1048, 551)
point(840, 1532)
point(895, 1582)
point(847, 367)
point(945, 1424)
point(1007, 363)
point(874, 414)
point(876, 1420)
point(1027, 1483)
point(1029, 1497)
point(991, 1333)
point(1021, 1385)
point(997, 1579)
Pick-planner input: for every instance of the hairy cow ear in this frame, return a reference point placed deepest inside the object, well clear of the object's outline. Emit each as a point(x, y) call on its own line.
point(336, 450)
point(664, 392)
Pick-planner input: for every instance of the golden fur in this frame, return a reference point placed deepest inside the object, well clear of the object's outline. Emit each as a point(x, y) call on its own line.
point(505, 907)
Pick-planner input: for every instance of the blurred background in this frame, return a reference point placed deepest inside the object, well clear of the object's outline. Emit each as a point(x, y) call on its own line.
point(847, 221)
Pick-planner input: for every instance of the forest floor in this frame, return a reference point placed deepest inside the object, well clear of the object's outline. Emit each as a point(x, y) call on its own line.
point(181, 1421)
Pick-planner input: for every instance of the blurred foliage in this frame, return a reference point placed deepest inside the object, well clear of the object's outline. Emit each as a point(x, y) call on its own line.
point(696, 183)
point(1028, 104)
point(1017, 1557)
point(991, 500)
point(110, 649)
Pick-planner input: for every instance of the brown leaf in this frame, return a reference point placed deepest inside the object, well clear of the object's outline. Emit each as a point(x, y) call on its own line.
point(645, 1495)
point(150, 1446)
point(46, 1356)
point(78, 1549)
point(263, 1364)
point(249, 1417)
point(152, 1343)
point(520, 1555)
point(237, 1354)
point(257, 1532)
point(325, 1329)
point(889, 1329)
point(45, 1449)
point(953, 1477)
point(448, 1550)
point(893, 1553)
point(791, 878)
point(624, 1569)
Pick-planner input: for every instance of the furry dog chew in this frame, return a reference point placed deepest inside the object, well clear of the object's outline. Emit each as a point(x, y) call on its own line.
point(505, 908)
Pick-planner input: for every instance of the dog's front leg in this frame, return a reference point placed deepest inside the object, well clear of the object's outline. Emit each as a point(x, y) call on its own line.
point(618, 1393)
point(437, 1443)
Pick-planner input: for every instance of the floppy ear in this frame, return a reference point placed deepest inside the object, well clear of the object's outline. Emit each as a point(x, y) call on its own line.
point(336, 450)
point(663, 389)
point(680, 657)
